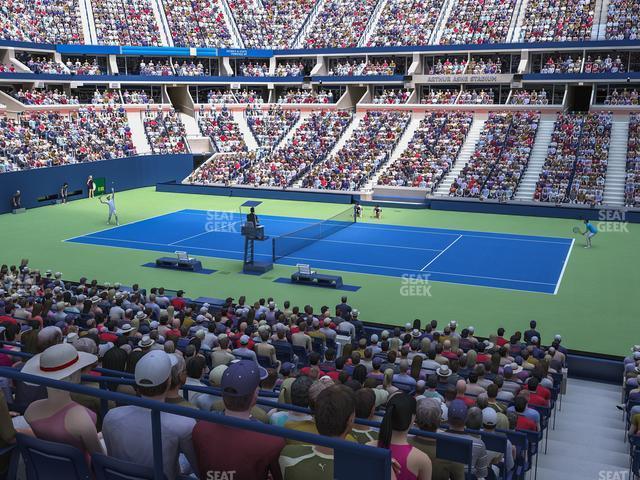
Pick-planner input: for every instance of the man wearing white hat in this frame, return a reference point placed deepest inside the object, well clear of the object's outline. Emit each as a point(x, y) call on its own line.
point(152, 377)
point(58, 418)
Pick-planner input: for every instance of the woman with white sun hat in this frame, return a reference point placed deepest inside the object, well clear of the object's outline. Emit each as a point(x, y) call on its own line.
point(58, 418)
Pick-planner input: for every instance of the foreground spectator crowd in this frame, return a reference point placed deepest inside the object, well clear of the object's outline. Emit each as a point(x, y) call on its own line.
point(576, 164)
point(500, 158)
point(431, 152)
point(45, 139)
point(222, 168)
point(369, 147)
point(442, 380)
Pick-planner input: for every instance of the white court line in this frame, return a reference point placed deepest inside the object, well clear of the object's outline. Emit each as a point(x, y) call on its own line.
point(334, 262)
point(436, 257)
point(564, 266)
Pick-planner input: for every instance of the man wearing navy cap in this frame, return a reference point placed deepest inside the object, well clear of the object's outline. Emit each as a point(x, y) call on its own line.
point(251, 455)
point(457, 417)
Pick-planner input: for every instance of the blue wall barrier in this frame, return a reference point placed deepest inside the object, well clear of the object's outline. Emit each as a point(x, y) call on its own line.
point(92, 79)
point(125, 173)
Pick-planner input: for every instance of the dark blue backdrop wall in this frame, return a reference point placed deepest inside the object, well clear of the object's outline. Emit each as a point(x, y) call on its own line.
point(125, 173)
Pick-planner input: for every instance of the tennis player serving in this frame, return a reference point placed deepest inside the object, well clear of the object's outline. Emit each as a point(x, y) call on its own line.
point(590, 231)
point(111, 203)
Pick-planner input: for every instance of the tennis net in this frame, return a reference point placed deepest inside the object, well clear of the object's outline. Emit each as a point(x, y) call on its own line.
point(291, 242)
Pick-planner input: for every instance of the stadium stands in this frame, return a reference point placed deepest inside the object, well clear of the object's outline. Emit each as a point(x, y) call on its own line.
point(405, 22)
point(165, 132)
point(558, 20)
point(478, 22)
point(365, 151)
point(576, 164)
point(197, 23)
point(431, 152)
point(307, 96)
point(125, 22)
point(51, 21)
point(222, 130)
point(632, 181)
point(270, 126)
point(340, 24)
point(500, 158)
point(390, 96)
point(622, 16)
point(44, 97)
point(311, 142)
point(222, 168)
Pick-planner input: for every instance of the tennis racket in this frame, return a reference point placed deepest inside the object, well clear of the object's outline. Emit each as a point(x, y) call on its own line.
point(576, 229)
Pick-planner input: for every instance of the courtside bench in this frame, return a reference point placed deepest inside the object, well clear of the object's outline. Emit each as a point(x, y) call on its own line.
point(181, 262)
point(306, 276)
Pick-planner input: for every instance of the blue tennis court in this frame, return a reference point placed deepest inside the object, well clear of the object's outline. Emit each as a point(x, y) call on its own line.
point(497, 260)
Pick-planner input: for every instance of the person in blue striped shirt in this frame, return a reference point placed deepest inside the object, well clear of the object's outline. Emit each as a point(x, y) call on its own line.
point(589, 232)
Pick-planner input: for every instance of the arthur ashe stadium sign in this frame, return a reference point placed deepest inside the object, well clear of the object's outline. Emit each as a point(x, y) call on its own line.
point(466, 78)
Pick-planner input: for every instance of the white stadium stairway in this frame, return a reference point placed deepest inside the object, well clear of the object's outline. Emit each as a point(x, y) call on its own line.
point(617, 162)
point(138, 135)
point(538, 155)
point(373, 23)
point(600, 20)
point(465, 153)
point(247, 135)
point(588, 440)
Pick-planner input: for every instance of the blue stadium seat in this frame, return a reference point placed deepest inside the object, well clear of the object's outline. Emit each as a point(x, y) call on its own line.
point(52, 461)
point(109, 468)
point(284, 352)
point(301, 353)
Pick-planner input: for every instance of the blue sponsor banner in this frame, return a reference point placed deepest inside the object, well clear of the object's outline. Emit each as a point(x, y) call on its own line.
point(88, 49)
point(161, 51)
point(243, 52)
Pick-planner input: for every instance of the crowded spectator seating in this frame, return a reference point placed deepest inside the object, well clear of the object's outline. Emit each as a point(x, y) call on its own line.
point(348, 68)
point(447, 67)
point(311, 143)
point(45, 139)
point(248, 96)
point(632, 180)
point(289, 69)
point(270, 23)
point(476, 97)
point(189, 69)
point(623, 97)
point(125, 22)
point(622, 20)
point(482, 66)
point(405, 22)
point(84, 67)
point(221, 128)
point(44, 97)
point(558, 20)
point(340, 24)
point(439, 97)
point(7, 68)
point(369, 147)
point(433, 149)
point(106, 97)
point(165, 131)
point(303, 369)
point(42, 64)
point(500, 158)
point(137, 97)
point(391, 96)
point(529, 97)
point(307, 96)
point(220, 97)
point(562, 64)
point(52, 21)
point(478, 22)
point(576, 164)
point(222, 168)
point(604, 65)
point(270, 126)
point(197, 23)
point(159, 69)
point(254, 69)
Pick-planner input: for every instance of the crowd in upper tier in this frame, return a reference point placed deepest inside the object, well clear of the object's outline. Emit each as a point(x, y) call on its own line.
point(632, 183)
point(278, 24)
point(165, 131)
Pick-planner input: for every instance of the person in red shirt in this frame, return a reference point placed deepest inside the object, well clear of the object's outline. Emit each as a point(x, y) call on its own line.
point(523, 422)
point(534, 396)
point(501, 341)
point(178, 302)
point(252, 455)
point(461, 388)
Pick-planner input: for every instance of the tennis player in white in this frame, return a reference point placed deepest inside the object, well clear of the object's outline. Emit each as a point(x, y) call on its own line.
point(111, 203)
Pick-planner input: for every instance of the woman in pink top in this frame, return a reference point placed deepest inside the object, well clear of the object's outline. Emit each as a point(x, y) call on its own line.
point(58, 418)
point(409, 462)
